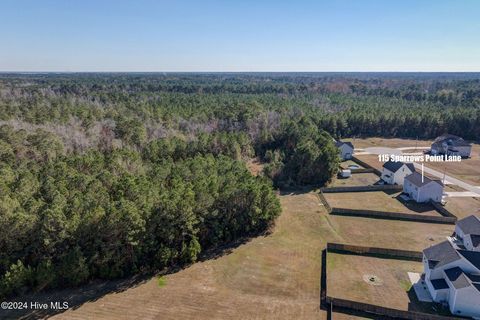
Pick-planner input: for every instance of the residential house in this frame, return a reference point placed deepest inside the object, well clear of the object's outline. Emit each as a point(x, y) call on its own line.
point(395, 172)
point(452, 270)
point(345, 149)
point(450, 144)
point(423, 189)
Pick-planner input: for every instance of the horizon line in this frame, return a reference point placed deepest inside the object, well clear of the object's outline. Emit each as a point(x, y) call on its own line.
point(337, 71)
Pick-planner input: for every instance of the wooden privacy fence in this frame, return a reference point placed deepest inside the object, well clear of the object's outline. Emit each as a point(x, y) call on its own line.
point(366, 165)
point(393, 215)
point(383, 311)
point(385, 187)
point(324, 201)
point(374, 251)
point(444, 212)
point(363, 170)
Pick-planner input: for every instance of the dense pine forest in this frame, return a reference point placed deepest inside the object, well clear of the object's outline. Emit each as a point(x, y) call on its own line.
point(108, 175)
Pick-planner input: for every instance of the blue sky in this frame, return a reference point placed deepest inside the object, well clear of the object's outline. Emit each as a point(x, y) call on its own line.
point(240, 35)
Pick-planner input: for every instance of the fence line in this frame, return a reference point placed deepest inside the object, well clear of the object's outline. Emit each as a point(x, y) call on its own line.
point(374, 251)
point(393, 215)
point(444, 212)
point(366, 165)
point(385, 187)
point(384, 311)
point(324, 201)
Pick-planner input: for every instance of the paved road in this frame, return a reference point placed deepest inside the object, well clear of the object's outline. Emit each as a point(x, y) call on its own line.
point(435, 173)
point(450, 179)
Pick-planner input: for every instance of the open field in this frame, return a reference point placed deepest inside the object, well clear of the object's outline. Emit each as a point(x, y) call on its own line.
point(374, 280)
point(271, 277)
point(378, 201)
point(357, 179)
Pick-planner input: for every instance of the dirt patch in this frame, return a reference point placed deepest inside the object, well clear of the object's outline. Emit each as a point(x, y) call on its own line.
point(255, 166)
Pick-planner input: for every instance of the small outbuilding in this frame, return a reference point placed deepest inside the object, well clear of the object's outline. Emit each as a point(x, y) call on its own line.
point(423, 189)
point(345, 149)
point(395, 172)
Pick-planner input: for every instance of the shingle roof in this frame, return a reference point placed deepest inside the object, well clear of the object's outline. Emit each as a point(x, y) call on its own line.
point(475, 240)
point(473, 277)
point(394, 166)
point(447, 136)
point(460, 143)
point(341, 143)
point(441, 254)
point(472, 256)
point(416, 179)
point(457, 277)
point(470, 225)
point(439, 284)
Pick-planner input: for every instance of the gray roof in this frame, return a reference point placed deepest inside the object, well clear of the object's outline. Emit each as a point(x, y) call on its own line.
point(470, 225)
point(472, 256)
point(460, 143)
point(473, 277)
point(394, 166)
point(416, 179)
point(441, 254)
point(439, 284)
point(341, 143)
point(457, 277)
point(475, 240)
point(447, 136)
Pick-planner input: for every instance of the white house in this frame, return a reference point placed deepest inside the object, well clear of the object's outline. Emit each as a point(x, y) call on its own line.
point(395, 172)
point(423, 189)
point(468, 230)
point(451, 145)
point(345, 149)
point(452, 270)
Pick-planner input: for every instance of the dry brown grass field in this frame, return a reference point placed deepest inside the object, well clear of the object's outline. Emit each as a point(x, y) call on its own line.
point(349, 277)
point(357, 179)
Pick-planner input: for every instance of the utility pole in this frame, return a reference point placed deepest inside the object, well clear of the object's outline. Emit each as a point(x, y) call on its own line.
point(422, 172)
